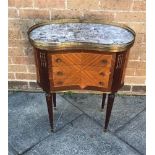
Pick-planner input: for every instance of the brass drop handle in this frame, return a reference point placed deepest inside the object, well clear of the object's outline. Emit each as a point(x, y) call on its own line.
point(101, 83)
point(104, 62)
point(60, 73)
point(102, 73)
point(58, 60)
point(59, 82)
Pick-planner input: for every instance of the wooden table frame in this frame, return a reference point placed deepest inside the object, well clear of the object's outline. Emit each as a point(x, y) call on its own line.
point(42, 59)
point(44, 53)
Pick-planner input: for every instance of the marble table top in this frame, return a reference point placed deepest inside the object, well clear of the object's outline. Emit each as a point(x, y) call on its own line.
point(81, 32)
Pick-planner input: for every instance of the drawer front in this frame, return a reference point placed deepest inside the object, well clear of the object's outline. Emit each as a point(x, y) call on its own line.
point(67, 59)
point(80, 69)
point(65, 76)
point(93, 59)
point(95, 76)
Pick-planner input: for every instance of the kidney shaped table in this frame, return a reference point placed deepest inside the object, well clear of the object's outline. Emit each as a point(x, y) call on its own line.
point(80, 56)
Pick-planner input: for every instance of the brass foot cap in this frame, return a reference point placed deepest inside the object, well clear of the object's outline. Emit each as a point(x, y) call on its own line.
point(105, 130)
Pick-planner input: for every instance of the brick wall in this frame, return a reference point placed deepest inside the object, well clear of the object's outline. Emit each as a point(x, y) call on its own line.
point(24, 13)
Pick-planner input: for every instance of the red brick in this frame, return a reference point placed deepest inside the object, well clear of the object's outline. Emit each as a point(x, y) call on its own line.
point(136, 64)
point(106, 16)
point(24, 3)
point(9, 60)
point(140, 38)
point(23, 60)
point(85, 4)
point(20, 23)
point(24, 76)
point(12, 13)
point(130, 16)
point(130, 72)
point(33, 13)
point(17, 68)
point(49, 4)
point(138, 27)
point(14, 34)
point(142, 56)
point(135, 80)
point(11, 76)
point(140, 72)
point(137, 52)
point(20, 3)
point(139, 5)
point(134, 55)
point(11, 3)
point(29, 51)
point(19, 43)
point(116, 5)
point(58, 14)
point(31, 68)
point(15, 51)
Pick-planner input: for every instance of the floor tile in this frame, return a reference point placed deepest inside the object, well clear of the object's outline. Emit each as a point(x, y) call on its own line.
point(134, 133)
point(11, 151)
point(82, 137)
point(125, 108)
point(28, 118)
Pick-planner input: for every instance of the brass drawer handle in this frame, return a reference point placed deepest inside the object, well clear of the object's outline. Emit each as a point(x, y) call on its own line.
point(104, 62)
point(59, 82)
point(102, 73)
point(59, 73)
point(58, 60)
point(101, 83)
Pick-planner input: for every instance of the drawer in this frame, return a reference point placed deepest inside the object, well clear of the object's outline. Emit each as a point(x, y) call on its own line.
point(93, 59)
point(65, 76)
point(95, 76)
point(64, 72)
point(65, 59)
point(66, 82)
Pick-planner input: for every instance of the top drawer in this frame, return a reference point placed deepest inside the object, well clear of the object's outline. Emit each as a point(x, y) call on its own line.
point(93, 59)
point(65, 59)
point(84, 59)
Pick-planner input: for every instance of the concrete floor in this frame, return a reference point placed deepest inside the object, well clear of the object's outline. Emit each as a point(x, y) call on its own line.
point(78, 125)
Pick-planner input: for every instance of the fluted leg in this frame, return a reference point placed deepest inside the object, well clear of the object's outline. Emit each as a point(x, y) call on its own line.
point(54, 99)
point(109, 109)
point(103, 100)
point(49, 100)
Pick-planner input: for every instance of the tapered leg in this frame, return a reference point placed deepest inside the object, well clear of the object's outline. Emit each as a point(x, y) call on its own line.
point(49, 100)
point(103, 100)
point(109, 109)
point(54, 99)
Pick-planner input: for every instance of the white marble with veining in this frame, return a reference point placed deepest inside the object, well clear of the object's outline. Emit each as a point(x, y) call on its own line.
point(81, 32)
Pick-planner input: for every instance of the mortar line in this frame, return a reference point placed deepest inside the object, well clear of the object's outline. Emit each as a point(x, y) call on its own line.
point(31, 147)
point(125, 142)
point(112, 133)
point(69, 122)
point(132, 119)
point(84, 112)
point(102, 125)
point(13, 149)
point(107, 130)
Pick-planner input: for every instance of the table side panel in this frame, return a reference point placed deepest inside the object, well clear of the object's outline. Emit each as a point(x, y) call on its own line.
point(119, 70)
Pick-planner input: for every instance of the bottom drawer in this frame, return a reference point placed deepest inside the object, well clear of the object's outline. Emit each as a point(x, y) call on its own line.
point(66, 82)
